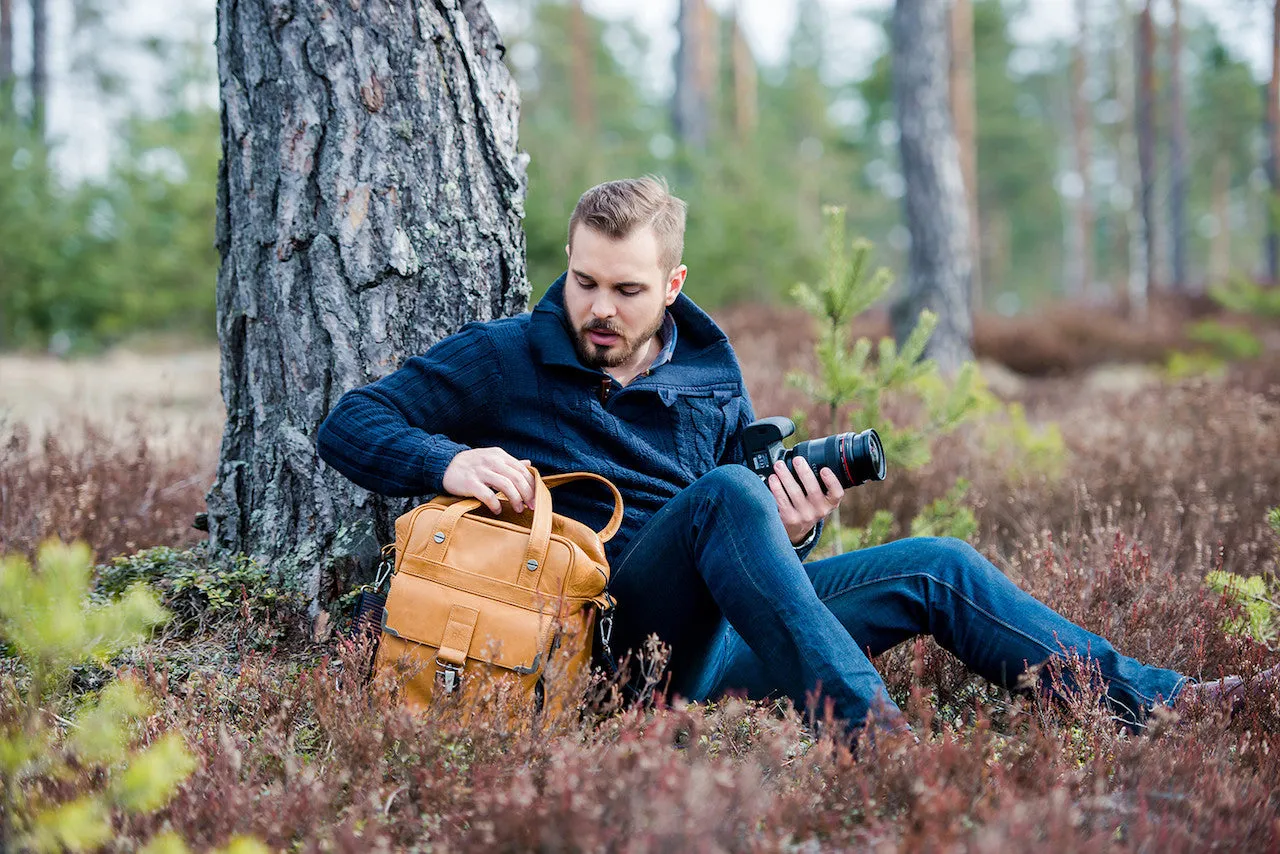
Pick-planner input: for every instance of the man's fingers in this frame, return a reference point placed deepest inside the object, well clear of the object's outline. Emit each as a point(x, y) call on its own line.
point(807, 478)
point(794, 491)
point(835, 491)
point(523, 481)
point(503, 484)
point(488, 498)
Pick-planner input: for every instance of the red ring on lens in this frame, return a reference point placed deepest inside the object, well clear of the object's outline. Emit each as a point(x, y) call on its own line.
point(844, 460)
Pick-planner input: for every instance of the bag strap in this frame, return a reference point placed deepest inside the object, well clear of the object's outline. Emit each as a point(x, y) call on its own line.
point(615, 521)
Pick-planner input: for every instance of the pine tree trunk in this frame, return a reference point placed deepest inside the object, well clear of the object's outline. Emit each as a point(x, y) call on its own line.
point(6, 57)
point(692, 101)
point(1147, 135)
point(1082, 287)
point(369, 202)
point(939, 263)
point(745, 83)
point(1220, 248)
point(964, 115)
point(1177, 157)
point(1135, 290)
point(39, 64)
point(1273, 151)
point(584, 98)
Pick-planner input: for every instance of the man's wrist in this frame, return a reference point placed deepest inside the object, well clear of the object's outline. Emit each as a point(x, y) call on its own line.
point(808, 539)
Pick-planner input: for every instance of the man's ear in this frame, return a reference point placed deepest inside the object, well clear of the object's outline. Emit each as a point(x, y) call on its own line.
point(676, 283)
point(567, 253)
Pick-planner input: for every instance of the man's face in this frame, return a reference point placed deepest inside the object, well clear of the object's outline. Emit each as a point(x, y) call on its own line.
point(616, 293)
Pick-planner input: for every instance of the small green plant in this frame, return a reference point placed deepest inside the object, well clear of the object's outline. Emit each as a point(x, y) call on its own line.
point(1246, 297)
point(48, 622)
point(1182, 365)
point(853, 386)
point(947, 516)
point(1230, 342)
point(197, 587)
point(1036, 450)
point(1255, 597)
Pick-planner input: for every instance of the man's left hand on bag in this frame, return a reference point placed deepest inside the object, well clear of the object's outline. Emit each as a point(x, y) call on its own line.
point(484, 472)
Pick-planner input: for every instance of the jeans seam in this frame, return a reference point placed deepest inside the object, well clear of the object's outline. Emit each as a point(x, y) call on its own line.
point(982, 611)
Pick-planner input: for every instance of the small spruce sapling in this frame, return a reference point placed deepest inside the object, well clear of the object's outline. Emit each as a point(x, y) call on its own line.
point(850, 382)
point(67, 766)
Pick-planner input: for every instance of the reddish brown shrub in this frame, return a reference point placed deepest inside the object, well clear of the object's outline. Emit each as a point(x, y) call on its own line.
point(116, 496)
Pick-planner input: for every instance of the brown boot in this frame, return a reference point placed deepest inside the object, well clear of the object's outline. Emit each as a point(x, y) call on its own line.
point(1229, 691)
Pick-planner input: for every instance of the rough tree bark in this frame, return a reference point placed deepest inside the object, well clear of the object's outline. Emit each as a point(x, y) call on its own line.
point(583, 52)
point(39, 64)
point(939, 264)
point(745, 82)
point(1135, 231)
point(1177, 156)
point(369, 203)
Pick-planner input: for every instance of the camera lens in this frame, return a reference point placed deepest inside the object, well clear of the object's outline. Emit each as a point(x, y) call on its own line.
point(855, 457)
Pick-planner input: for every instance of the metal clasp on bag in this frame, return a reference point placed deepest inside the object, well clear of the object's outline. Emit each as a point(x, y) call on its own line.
point(386, 566)
point(448, 676)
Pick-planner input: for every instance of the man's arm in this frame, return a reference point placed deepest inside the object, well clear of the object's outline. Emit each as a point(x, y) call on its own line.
point(393, 436)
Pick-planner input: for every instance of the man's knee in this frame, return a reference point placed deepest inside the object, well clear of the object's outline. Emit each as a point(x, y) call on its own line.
point(735, 484)
point(954, 559)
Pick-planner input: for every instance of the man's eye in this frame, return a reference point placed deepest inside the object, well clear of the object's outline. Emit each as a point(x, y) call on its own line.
point(629, 293)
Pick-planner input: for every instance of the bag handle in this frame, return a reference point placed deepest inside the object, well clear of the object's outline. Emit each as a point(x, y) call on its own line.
point(535, 554)
point(615, 521)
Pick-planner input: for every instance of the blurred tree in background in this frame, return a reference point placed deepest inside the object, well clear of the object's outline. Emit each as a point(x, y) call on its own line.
point(93, 259)
point(89, 262)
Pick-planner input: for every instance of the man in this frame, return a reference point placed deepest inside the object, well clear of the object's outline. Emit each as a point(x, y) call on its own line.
point(617, 372)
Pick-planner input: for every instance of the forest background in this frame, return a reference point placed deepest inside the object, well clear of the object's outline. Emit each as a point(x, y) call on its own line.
point(92, 255)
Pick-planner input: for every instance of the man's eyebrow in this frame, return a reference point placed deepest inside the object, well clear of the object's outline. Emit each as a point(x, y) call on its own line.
point(581, 275)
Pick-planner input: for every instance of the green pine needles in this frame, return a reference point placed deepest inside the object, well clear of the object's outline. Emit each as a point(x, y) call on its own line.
point(855, 377)
point(67, 765)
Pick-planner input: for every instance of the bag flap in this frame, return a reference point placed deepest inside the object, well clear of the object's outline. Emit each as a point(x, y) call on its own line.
point(505, 635)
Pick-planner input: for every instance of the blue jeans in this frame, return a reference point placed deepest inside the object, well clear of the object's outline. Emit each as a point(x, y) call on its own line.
point(715, 576)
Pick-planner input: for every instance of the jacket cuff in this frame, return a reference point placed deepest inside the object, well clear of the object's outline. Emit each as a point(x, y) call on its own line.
point(806, 545)
point(440, 453)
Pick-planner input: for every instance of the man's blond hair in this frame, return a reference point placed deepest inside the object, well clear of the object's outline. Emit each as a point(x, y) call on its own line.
point(617, 208)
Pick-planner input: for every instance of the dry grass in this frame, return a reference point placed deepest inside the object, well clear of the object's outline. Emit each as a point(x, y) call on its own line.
point(1165, 482)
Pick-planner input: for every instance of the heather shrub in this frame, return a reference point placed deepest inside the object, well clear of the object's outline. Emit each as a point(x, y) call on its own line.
point(118, 496)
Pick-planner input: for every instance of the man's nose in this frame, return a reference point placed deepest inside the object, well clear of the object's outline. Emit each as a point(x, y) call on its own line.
point(603, 307)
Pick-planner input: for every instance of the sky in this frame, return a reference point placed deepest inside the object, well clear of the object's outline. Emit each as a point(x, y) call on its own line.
point(77, 117)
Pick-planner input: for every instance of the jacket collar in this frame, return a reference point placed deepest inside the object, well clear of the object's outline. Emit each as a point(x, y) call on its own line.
point(702, 353)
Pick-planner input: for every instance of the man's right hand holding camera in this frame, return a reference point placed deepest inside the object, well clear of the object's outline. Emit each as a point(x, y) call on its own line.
point(484, 472)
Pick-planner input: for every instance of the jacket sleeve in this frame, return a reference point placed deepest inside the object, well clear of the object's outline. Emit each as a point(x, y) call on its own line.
point(398, 435)
point(732, 454)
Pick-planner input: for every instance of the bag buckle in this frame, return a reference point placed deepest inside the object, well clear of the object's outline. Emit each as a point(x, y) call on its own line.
point(448, 676)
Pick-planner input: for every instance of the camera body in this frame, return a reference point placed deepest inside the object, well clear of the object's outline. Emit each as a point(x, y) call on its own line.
point(854, 457)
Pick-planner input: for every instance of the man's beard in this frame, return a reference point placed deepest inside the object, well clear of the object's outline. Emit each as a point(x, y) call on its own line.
point(621, 351)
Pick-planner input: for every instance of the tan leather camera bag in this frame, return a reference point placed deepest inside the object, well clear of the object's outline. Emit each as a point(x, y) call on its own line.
point(477, 597)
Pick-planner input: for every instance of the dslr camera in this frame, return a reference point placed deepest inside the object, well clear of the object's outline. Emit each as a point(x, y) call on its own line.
point(854, 457)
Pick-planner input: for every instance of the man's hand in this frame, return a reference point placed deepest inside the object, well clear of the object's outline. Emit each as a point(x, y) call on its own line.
point(483, 472)
point(801, 502)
